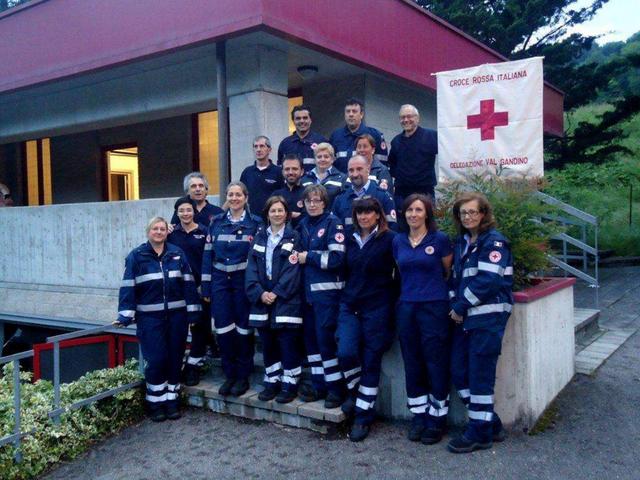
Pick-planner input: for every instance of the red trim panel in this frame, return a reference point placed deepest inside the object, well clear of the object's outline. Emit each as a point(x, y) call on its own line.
point(544, 288)
point(122, 339)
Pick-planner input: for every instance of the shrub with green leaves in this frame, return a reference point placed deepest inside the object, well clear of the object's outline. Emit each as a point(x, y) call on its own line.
point(517, 211)
point(52, 443)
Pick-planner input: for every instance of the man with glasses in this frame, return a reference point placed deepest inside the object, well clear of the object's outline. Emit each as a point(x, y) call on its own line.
point(412, 157)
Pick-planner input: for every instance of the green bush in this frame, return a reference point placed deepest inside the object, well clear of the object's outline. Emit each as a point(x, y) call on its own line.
point(77, 429)
point(516, 209)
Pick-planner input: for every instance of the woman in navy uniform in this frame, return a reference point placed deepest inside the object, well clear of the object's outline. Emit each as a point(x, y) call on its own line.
point(325, 174)
point(223, 267)
point(273, 282)
point(424, 259)
point(481, 301)
point(158, 292)
point(364, 323)
point(323, 248)
point(190, 237)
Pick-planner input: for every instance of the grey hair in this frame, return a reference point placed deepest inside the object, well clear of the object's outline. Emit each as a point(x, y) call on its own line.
point(153, 221)
point(187, 180)
point(410, 107)
point(266, 140)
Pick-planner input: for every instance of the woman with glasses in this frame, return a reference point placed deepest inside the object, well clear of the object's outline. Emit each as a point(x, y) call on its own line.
point(424, 260)
point(223, 266)
point(364, 322)
point(273, 284)
point(322, 254)
point(481, 301)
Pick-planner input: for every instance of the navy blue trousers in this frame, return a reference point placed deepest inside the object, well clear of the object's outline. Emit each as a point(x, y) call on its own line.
point(363, 337)
point(282, 356)
point(200, 336)
point(474, 357)
point(320, 323)
point(163, 343)
point(230, 312)
point(424, 331)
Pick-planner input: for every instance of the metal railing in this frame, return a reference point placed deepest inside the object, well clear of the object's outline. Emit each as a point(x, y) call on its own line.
point(57, 411)
point(582, 221)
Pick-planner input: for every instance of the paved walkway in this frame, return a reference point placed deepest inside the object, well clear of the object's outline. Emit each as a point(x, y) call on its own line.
point(595, 433)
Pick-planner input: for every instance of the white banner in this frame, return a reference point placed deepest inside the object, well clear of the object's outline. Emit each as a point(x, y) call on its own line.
point(490, 120)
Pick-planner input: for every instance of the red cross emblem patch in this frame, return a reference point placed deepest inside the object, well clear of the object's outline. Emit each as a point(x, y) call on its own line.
point(495, 256)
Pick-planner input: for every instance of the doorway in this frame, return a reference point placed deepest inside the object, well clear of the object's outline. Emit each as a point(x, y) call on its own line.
point(122, 174)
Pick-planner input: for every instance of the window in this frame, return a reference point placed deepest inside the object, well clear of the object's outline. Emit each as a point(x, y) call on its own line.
point(38, 168)
point(122, 174)
point(208, 149)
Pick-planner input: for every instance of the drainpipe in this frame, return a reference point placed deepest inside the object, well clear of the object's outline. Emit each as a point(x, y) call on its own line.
point(223, 118)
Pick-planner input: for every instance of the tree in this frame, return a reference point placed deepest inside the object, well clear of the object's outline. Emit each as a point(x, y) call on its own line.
point(7, 4)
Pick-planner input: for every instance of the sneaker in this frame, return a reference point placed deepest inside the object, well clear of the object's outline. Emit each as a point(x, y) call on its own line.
point(431, 436)
point(225, 388)
point(191, 375)
point(358, 432)
point(417, 427)
point(463, 445)
point(157, 415)
point(173, 412)
point(269, 392)
point(349, 406)
point(310, 394)
point(286, 396)
point(333, 400)
point(240, 387)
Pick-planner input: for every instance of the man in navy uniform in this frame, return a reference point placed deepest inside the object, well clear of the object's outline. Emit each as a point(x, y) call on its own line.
point(344, 139)
point(263, 177)
point(412, 157)
point(292, 192)
point(303, 141)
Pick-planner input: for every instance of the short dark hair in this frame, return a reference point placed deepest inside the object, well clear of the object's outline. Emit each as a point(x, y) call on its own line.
point(270, 202)
point(299, 108)
point(367, 203)
point(185, 199)
point(317, 190)
point(368, 138)
point(431, 224)
point(488, 221)
point(354, 101)
point(292, 156)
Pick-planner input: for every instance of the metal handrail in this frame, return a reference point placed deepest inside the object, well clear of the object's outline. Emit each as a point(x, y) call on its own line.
point(17, 435)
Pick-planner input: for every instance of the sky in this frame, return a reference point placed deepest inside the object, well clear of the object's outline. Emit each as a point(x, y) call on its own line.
point(616, 21)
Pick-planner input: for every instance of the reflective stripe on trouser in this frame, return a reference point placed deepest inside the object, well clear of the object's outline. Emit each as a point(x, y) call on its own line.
point(282, 357)
point(230, 312)
point(200, 336)
point(423, 331)
point(474, 358)
point(363, 337)
point(163, 342)
point(325, 318)
point(312, 351)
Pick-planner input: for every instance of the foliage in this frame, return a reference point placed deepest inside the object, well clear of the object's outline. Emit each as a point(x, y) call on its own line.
point(517, 211)
point(603, 191)
point(7, 4)
point(77, 429)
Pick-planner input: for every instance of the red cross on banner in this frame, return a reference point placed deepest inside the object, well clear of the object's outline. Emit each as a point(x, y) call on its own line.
point(487, 120)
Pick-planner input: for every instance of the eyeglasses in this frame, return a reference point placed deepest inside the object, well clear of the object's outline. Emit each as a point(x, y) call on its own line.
point(469, 213)
point(313, 201)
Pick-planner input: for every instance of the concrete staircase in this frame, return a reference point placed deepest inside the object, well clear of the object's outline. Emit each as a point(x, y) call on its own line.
point(594, 345)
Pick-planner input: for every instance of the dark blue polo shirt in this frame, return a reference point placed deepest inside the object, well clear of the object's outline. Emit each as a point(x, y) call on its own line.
point(192, 243)
point(261, 184)
point(412, 160)
point(344, 143)
point(421, 271)
point(303, 147)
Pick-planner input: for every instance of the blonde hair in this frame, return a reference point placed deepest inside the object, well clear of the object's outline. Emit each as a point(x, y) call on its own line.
point(153, 221)
point(325, 146)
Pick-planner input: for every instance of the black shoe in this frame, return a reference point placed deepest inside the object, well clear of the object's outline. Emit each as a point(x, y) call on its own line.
point(157, 415)
point(173, 412)
point(417, 427)
point(463, 445)
point(286, 396)
point(309, 394)
point(269, 392)
point(225, 388)
point(431, 436)
point(358, 432)
point(240, 387)
point(499, 436)
point(191, 375)
point(333, 400)
point(349, 406)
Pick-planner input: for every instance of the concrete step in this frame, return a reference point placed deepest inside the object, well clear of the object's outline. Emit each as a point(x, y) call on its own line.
point(311, 416)
point(591, 357)
point(585, 322)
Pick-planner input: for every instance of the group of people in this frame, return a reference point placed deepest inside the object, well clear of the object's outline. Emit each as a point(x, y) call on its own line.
point(322, 269)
